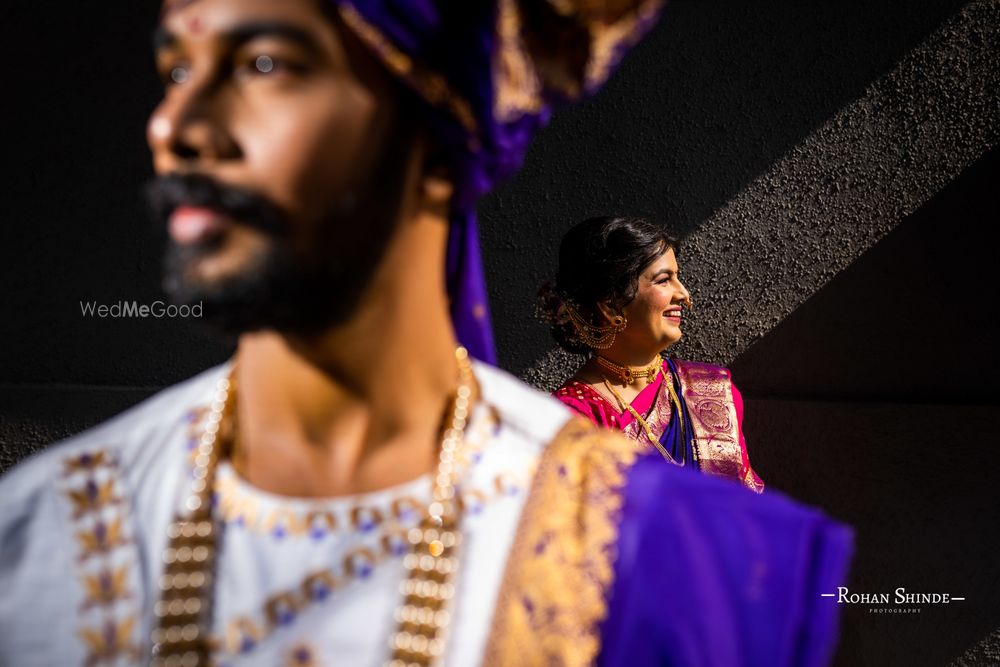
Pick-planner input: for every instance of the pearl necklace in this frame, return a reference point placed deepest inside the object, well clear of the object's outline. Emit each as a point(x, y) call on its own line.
point(184, 610)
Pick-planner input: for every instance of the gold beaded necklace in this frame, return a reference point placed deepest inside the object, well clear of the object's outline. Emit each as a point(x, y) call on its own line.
point(184, 610)
point(629, 374)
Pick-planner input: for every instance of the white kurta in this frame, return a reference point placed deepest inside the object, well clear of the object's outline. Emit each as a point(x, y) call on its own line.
point(83, 527)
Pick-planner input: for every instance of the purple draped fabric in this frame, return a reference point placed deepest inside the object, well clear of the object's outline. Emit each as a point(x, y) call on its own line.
point(446, 51)
point(470, 314)
point(710, 574)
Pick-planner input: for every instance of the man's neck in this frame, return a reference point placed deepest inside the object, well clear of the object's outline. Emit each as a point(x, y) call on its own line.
point(360, 407)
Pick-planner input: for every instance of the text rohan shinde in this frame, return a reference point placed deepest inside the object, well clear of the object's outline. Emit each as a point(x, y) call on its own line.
point(899, 596)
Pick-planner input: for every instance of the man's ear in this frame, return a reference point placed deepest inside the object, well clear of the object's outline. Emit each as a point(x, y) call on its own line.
point(436, 183)
point(436, 192)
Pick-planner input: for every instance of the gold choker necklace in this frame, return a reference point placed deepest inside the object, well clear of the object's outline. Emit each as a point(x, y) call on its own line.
point(629, 374)
point(184, 610)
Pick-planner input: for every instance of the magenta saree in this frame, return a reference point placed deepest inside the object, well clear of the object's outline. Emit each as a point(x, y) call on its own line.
point(706, 434)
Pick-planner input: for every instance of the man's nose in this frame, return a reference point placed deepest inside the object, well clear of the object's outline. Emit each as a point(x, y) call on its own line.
point(190, 126)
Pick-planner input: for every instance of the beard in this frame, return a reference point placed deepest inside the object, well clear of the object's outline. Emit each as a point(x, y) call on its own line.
point(288, 284)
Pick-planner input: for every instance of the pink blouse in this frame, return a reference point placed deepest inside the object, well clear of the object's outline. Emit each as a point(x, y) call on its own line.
point(584, 399)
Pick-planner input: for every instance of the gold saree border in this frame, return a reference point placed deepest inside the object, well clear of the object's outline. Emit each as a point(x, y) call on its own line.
point(708, 392)
point(561, 566)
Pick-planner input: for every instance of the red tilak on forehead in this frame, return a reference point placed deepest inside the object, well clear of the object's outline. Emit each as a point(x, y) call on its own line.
point(194, 25)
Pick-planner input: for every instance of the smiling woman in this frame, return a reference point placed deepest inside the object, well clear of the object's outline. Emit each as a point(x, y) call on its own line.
point(356, 487)
point(619, 298)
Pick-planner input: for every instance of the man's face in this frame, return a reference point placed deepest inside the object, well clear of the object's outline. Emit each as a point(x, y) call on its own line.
point(279, 155)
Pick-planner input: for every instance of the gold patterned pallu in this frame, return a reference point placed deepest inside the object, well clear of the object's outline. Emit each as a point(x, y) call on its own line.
point(707, 391)
point(560, 570)
point(708, 394)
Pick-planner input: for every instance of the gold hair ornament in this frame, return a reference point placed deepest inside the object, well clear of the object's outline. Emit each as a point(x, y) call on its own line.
point(595, 337)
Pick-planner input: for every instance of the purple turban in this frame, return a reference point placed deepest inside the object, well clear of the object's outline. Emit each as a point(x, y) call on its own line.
point(488, 73)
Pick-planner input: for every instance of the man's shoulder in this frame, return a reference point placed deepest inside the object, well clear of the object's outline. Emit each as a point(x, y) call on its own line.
point(133, 438)
point(538, 415)
point(96, 498)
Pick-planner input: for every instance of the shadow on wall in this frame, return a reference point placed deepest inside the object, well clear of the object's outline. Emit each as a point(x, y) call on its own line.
point(874, 400)
point(715, 96)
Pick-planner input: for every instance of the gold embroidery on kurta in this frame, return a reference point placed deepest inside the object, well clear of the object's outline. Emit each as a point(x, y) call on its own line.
point(108, 618)
point(242, 507)
point(238, 506)
point(302, 654)
point(561, 566)
point(106, 587)
point(87, 462)
point(92, 498)
point(110, 643)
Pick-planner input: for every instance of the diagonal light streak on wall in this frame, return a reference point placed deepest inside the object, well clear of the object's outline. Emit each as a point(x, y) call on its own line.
point(983, 654)
point(838, 192)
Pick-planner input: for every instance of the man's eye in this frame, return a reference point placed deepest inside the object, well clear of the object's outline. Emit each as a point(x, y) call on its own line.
point(175, 74)
point(264, 64)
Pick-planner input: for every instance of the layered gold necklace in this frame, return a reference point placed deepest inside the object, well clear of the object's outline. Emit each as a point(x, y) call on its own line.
point(627, 375)
point(626, 406)
point(184, 610)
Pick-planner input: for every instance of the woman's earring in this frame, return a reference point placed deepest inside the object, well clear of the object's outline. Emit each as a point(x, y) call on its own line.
point(618, 325)
point(594, 337)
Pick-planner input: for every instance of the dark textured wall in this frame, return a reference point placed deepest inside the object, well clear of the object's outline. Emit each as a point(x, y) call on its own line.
point(873, 400)
point(692, 130)
point(857, 321)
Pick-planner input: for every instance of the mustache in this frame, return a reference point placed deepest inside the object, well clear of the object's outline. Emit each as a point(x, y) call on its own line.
point(164, 194)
